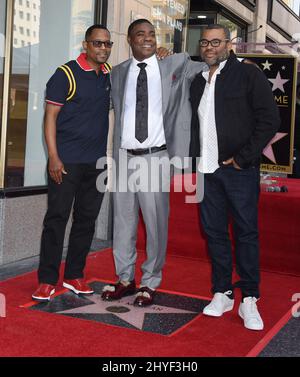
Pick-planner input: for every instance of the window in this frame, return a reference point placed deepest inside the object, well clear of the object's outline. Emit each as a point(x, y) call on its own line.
point(169, 18)
point(35, 57)
point(2, 47)
point(21, 14)
point(28, 16)
point(248, 3)
point(294, 5)
point(236, 30)
point(168, 38)
point(157, 10)
point(197, 22)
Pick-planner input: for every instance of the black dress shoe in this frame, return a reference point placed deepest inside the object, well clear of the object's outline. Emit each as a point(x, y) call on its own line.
point(120, 291)
point(144, 300)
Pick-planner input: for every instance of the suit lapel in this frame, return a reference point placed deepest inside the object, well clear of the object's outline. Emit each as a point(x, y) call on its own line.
point(165, 70)
point(123, 77)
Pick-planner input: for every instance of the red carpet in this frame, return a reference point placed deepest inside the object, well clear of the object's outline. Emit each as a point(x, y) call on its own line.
point(279, 227)
point(32, 333)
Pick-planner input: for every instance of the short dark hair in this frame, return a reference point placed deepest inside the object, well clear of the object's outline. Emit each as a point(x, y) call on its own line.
point(218, 26)
point(137, 22)
point(90, 30)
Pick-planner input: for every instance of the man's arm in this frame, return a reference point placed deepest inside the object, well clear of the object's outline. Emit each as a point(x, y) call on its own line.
point(266, 117)
point(56, 167)
point(192, 68)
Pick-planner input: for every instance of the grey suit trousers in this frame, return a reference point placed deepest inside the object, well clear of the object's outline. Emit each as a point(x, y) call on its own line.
point(147, 179)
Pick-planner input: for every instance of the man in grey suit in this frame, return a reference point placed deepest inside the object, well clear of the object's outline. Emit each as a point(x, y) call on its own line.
point(152, 121)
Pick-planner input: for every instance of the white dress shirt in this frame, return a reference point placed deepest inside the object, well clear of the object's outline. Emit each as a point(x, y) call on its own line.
point(156, 135)
point(208, 131)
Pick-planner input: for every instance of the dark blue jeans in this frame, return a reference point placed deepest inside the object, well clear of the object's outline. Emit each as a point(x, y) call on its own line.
point(231, 193)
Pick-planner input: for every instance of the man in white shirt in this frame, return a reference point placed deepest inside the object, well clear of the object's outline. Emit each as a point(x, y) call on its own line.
point(234, 116)
point(152, 120)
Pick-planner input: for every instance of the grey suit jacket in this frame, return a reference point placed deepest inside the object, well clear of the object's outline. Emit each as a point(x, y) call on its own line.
point(177, 73)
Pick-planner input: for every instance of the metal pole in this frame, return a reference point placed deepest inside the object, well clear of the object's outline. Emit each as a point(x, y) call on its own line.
point(6, 86)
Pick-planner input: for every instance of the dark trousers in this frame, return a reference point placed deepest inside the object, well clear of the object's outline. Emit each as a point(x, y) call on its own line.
point(232, 193)
point(79, 186)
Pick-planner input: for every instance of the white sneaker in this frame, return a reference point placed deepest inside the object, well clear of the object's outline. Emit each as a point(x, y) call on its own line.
point(220, 304)
point(249, 313)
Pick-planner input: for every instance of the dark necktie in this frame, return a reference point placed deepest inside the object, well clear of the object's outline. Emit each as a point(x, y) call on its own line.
point(141, 112)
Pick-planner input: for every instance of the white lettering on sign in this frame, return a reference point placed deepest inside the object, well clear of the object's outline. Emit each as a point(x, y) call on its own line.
point(174, 23)
point(175, 5)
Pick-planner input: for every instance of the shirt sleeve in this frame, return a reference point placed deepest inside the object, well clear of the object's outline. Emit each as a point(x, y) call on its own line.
point(57, 88)
point(266, 116)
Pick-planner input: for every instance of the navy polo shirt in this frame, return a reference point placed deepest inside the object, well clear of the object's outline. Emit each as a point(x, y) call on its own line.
point(82, 123)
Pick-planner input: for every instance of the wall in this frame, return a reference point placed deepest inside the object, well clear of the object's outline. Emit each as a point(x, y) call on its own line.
point(118, 20)
point(20, 231)
point(21, 225)
point(238, 9)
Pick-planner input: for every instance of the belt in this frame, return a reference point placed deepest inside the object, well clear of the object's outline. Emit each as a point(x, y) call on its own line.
point(137, 152)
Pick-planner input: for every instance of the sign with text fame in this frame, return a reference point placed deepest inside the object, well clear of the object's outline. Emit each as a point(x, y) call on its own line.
point(281, 71)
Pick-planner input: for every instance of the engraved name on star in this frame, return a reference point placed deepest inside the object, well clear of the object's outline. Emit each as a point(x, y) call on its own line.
point(278, 82)
point(123, 309)
point(267, 65)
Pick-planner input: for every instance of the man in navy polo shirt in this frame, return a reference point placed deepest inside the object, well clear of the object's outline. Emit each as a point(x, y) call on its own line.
point(76, 129)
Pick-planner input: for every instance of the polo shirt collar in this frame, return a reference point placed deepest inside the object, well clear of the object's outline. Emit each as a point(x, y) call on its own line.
point(83, 63)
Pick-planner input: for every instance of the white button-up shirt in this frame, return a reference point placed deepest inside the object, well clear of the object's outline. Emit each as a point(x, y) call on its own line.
point(156, 135)
point(208, 131)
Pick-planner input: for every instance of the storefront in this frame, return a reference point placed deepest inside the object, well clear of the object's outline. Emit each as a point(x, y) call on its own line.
point(205, 12)
point(293, 5)
point(38, 36)
point(35, 47)
point(169, 18)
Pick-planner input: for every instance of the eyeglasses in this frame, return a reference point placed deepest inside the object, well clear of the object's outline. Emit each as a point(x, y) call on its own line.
point(98, 43)
point(213, 42)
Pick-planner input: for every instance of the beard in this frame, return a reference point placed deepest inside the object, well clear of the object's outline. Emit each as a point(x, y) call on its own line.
point(217, 60)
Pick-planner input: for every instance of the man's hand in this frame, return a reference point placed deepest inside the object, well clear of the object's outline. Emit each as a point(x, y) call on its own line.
point(231, 161)
point(56, 169)
point(163, 52)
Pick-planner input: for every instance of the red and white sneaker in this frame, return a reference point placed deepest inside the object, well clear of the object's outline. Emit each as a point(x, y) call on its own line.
point(44, 292)
point(78, 286)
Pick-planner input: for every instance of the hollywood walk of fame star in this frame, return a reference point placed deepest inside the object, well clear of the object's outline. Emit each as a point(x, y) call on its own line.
point(123, 309)
point(278, 82)
point(267, 65)
point(268, 151)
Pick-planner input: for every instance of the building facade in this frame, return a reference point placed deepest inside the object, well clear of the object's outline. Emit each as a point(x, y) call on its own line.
point(36, 36)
